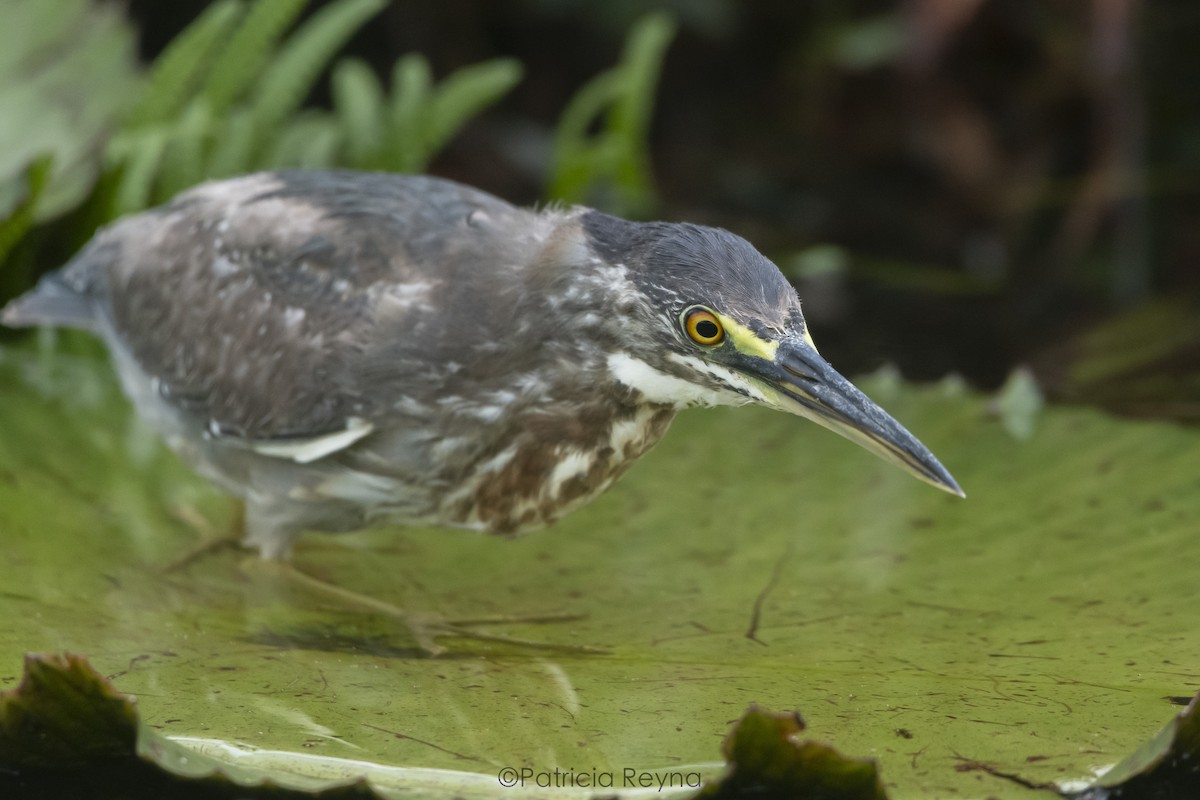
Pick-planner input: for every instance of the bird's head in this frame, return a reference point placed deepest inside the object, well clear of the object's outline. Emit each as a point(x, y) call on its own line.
point(713, 322)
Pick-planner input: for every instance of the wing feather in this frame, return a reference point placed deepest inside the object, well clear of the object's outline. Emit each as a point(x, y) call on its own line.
point(254, 302)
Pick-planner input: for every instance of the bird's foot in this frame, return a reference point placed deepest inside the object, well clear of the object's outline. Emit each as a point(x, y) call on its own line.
point(428, 627)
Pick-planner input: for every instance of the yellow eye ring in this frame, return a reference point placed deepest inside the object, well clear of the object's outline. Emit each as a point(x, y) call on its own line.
point(703, 327)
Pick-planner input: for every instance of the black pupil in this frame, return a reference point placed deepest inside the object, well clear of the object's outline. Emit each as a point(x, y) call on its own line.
point(707, 329)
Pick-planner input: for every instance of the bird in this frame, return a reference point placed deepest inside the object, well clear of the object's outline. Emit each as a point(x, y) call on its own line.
point(347, 349)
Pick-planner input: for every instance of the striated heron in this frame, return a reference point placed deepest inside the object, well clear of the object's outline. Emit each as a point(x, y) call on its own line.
point(341, 348)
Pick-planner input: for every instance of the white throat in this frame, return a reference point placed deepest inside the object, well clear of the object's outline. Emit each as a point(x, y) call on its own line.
point(663, 388)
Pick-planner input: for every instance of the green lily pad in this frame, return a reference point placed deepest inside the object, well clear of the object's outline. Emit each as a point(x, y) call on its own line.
point(1037, 626)
point(65, 725)
point(64, 715)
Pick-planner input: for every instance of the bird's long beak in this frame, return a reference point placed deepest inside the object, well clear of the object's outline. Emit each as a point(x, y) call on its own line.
point(804, 383)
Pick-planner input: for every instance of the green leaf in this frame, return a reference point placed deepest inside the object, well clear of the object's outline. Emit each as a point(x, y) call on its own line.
point(577, 164)
point(233, 151)
point(65, 725)
point(309, 141)
point(67, 72)
point(20, 220)
point(185, 62)
point(1018, 403)
point(35, 27)
point(359, 101)
point(63, 714)
point(1165, 767)
point(408, 113)
point(1037, 627)
point(138, 154)
point(66, 715)
point(1141, 362)
point(249, 48)
point(864, 43)
point(465, 94)
point(291, 74)
point(183, 159)
point(617, 158)
point(630, 115)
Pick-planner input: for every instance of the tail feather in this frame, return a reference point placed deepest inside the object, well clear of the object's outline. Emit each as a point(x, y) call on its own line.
point(52, 302)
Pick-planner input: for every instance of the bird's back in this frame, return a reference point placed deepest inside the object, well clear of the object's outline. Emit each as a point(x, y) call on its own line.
point(255, 302)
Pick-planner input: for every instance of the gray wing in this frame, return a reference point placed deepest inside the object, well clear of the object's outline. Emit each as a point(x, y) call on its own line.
point(257, 303)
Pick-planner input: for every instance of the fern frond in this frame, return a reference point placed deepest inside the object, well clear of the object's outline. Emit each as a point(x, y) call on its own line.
point(296, 66)
point(321, 147)
point(572, 169)
point(182, 65)
point(138, 153)
point(183, 157)
point(624, 98)
point(464, 94)
point(640, 69)
point(309, 140)
point(233, 150)
point(250, 47)
point(411, 86)
point(14, 227)
point(359, 102)
point(630, 115)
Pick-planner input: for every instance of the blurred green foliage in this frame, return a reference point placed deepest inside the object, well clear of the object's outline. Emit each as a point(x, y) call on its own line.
point(67, 70)
point(402, 132)
point(1005, 171)
point(228, 96)
point(611, 167)
point(32, 183)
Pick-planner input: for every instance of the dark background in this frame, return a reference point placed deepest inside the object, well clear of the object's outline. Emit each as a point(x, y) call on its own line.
point(996, 177)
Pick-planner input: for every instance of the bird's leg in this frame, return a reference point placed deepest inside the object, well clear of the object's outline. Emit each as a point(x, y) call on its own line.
point(273, 526)
point(210, 542)
point(428, 627)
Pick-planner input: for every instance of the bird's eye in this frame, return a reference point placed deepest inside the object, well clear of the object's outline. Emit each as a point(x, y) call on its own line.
point(702, 326)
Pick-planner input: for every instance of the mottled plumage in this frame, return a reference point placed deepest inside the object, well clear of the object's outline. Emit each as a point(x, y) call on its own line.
point(341, 347)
